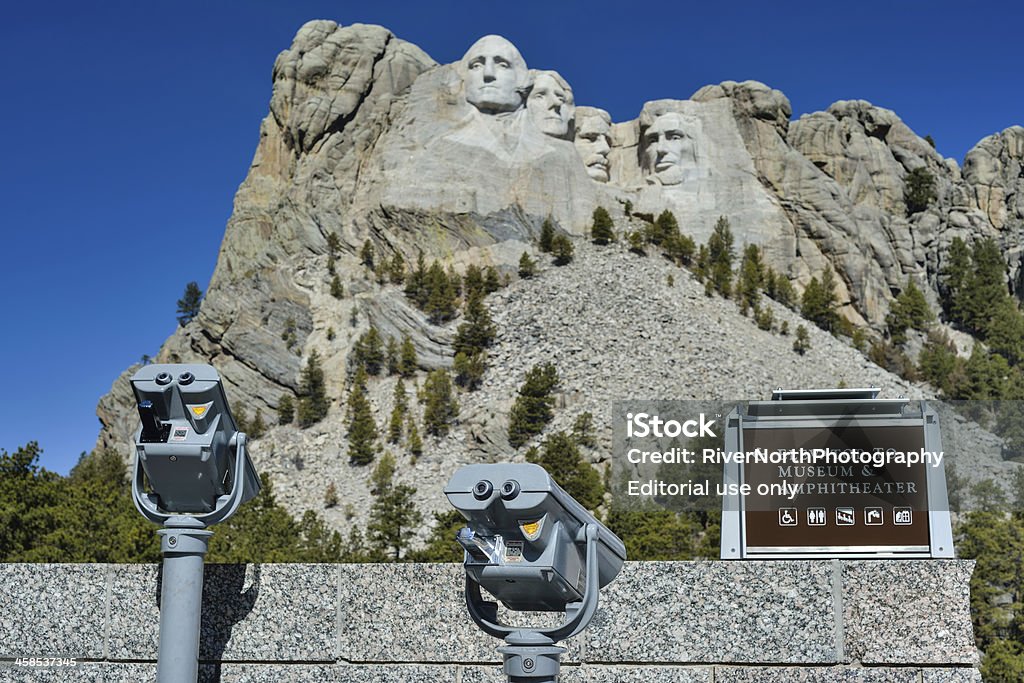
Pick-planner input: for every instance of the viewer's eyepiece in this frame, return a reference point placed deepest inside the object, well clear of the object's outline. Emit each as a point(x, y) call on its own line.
point(483, 489)
point(510, 489)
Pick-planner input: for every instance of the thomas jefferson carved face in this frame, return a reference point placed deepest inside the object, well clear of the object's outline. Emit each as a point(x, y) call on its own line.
point(550, 103)
point(495, 74)
point(670, 146)
point(593, 141)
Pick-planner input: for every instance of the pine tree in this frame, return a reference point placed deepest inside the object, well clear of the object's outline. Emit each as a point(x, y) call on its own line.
point(720, 257)
point(547, 236)
point(655, 533)
point(492, 282)
point(778, 287)
point(439, 405)
point(189, 303)
point(802, 342)
point(396, 270)
point(664, 228)
point(527, 266)
point(703, 265)
point(583, 430)
point(313, 403)
point(469, 369)
point(415, 443)
point(1004, 331)
point(473, 281)
point(680, 249)
point(440, 303)
point(333, 244)
point(416, 283)
point(561, 249)
point(477, 332)
point(920, 190)
point(331, 496)
point(366, 255)
point(398, 413)
point(456, 282)
point(394, 519)
point(603, 230)
point(909, 310)
point(441, 545)
point(392, 356)
point(636, 243)
point(937, 363)
point(986, 376)
point(362, 431)
point(888, 356)
point(285, 410)
point(956, 268)
point(261, 531)
point(818, 303)
point(532, 408)
point(258, 426)
point(985, 287)
point(369, 351)
point(288, 334)
point(751, 279)
point(337, 289)
point(561, 458)
point(407, 361)
point(241, 420)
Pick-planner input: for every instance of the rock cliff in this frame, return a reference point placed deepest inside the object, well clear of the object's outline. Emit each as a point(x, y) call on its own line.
point(369, 139)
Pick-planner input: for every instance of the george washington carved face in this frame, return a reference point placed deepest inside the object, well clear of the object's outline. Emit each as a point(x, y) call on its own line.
point(495, 75)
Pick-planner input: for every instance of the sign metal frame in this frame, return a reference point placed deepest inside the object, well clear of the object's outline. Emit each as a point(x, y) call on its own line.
point(822, 410)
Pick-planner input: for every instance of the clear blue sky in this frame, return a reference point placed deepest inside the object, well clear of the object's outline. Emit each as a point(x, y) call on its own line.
point(128, 127)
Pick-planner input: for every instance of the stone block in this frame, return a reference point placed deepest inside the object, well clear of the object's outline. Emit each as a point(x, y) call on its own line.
point(52, 610)
point(908, 612)
point(269, 612)
point(418, 615)
point(815, 674)
point(682, 612)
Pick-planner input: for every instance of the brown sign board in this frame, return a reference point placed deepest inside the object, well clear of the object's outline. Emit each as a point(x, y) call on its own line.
point(817, 497)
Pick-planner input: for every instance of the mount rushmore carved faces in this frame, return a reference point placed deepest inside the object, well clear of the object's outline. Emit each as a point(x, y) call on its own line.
point(495, 75)
point(670, 148)
point(551, 104)
point(593, 141)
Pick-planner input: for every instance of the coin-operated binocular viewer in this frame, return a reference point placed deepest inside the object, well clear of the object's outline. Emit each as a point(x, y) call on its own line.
point(534, 548)
point(191, 470)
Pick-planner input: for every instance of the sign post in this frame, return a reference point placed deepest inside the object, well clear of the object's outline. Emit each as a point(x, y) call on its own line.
point(835, 473)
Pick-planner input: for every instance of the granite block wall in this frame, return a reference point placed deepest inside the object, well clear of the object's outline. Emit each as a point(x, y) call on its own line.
point(681, 622)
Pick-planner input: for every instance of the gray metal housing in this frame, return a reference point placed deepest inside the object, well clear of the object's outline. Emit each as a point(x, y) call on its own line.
point(540, 571)
point(188, 446)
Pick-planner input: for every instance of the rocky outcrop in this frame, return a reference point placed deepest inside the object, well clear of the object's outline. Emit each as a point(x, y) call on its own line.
point(370, 140)
point(994, 178)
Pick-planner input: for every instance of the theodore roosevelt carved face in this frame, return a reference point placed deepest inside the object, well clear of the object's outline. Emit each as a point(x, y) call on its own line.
point(550, 104)
point(593, 141)
point(495, 75)
point(670, 147)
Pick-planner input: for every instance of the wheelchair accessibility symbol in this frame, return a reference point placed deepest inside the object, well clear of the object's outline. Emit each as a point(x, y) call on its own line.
point(787, 516)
